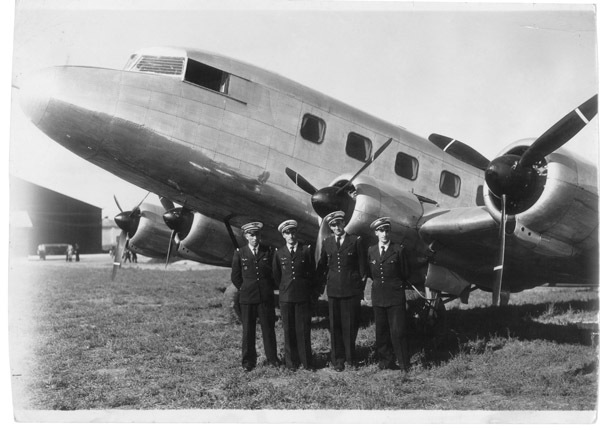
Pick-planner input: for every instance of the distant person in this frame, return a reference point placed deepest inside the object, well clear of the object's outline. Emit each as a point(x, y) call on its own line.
point(343, 264)
point(389, 269)
point(133, 257)
point(69, 256)
point(126, 256)
point(252, 275)
point(76, 249)
point(294, 273)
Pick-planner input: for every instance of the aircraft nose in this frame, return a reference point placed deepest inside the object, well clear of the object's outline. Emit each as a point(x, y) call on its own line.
point(37, 89)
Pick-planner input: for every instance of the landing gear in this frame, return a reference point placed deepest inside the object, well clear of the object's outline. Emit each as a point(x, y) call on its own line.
point(428, 314)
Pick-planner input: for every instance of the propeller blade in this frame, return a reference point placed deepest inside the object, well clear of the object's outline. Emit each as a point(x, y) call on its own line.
point(137, 207)
point(117, 202)
point(367, 164)
point(323, 233)
point(166, 203)
point(171, 246)
point(300, 181)
point(118, 253)
point(499, 268)
point(560, 133)
point(459, 150)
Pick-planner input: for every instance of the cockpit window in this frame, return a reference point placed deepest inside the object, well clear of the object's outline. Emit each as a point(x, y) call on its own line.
point(161, 65)
point(207, 76)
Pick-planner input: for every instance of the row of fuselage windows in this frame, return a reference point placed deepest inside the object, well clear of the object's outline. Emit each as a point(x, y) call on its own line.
point(312, 128)
point(360, 147)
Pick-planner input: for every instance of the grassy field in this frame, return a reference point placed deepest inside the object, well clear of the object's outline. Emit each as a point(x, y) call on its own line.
point(158, 339)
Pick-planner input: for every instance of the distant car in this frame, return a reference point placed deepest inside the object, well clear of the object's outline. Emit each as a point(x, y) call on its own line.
point(45, 249)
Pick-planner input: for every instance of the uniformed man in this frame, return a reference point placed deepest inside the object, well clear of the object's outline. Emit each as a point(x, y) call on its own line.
point(389, 269)
point(252, 275)
point(294, 272)
point(343, 263)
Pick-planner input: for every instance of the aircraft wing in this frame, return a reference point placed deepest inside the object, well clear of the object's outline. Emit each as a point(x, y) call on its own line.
point(467, 242)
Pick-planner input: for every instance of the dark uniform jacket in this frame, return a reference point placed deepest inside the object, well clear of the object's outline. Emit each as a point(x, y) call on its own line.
point(388, 273)
point(344, 268)
point(253, 276)
point(295, 276)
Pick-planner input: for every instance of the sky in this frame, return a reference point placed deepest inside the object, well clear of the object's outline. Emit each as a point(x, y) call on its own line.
point(486, 75)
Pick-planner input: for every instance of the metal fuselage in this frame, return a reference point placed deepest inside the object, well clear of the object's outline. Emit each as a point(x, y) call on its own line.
point(224, 154)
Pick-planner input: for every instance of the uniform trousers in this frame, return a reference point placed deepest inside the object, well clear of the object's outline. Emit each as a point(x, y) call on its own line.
point(266, 315)
point(344, 313)
point(391, 335)
point(296, 330)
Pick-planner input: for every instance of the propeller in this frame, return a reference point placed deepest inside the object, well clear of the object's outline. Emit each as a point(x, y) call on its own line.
point(332, 198)
point(128, 222)
point(515, 176)
point(512, 178)
point(179, 220)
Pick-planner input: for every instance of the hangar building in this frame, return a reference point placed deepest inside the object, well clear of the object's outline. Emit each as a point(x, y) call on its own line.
point(40, 215)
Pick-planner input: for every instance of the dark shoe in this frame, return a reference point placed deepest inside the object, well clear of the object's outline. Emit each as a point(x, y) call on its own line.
point(339, 367)
point(248, 367)
point(308, 368)
point(274, 363)
point(390, 366)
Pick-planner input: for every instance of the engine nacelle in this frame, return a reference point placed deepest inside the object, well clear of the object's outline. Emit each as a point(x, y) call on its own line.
point(151, 237)
point(562, 218)
point(207, 241)
point(374, 199)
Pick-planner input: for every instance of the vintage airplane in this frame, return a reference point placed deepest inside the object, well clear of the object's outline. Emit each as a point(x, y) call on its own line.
point(231, 142)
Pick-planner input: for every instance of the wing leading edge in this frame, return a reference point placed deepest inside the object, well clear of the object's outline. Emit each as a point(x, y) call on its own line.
point(466, 242)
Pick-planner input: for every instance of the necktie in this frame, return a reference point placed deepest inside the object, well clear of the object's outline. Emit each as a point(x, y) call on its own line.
point(338, 242)
point(382, 250)
point(254, 251)
point(292, 251)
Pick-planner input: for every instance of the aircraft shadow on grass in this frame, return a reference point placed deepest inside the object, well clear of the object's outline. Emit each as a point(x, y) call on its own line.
point(478, 329)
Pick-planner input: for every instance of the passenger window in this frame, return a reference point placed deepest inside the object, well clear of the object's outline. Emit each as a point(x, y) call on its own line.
point(479, 196)
point(312, 128)
point(358, 147)
point(207, 76)
point(406, 166)
point(449, 184)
